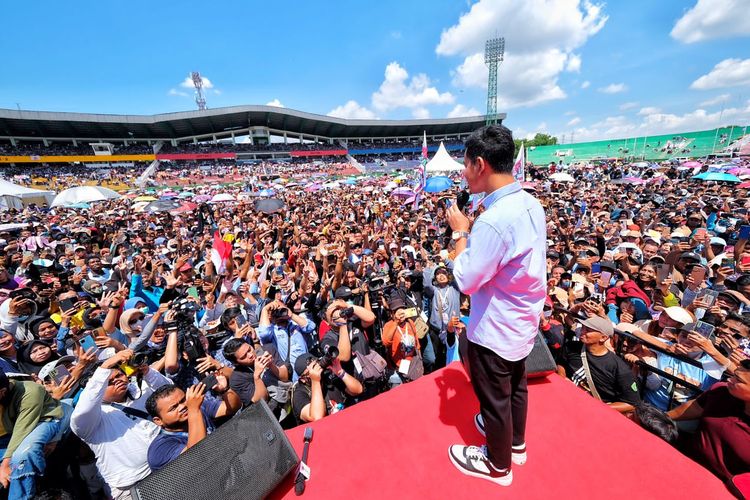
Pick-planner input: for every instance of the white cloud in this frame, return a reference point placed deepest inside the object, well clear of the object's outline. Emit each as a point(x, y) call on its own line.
point(352, 110)
point(659, 123)
point(716, 100)
point(574, 121)
point(542, 36)
point(460, 110)
point(522, 80)
point(613, 88)
point(420, 113)
point(649, 110)
point(628, 105)
point(177, 93)
point(187, 83)
point(397, 91)
point(276, 103)
point(585, 84)
point(727, 73)
point(574, 63)
point(710, 19)
point(217, 91)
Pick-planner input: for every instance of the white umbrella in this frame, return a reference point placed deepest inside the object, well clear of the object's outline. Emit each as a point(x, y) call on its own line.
point(83, 194)
point(222, 197)
point(562, 177)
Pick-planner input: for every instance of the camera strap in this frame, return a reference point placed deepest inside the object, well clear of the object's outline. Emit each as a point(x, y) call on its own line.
point(130, 412)
point(589, 378)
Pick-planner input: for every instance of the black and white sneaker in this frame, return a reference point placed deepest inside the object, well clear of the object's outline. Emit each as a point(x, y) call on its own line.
point(473, 461)
point(518, 453)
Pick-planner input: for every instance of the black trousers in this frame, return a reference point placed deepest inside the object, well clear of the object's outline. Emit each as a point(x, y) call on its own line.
point(500, 386)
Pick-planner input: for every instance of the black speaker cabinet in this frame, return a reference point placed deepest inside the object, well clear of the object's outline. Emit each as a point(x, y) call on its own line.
point(540, 362)
point(245, 458)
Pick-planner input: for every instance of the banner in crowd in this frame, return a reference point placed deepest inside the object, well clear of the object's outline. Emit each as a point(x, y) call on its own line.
point(74, 158)
point(519, 167)
point(330, 152)
point(196, 156)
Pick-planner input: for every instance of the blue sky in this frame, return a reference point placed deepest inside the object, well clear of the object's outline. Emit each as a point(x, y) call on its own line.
point(584, 69)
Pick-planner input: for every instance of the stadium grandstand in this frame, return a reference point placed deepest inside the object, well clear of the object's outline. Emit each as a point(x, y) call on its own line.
point(726, 141)
point(239, 133)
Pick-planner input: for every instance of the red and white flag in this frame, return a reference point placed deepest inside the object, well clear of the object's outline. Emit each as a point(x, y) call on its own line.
point(220, 252)
point(519, 167)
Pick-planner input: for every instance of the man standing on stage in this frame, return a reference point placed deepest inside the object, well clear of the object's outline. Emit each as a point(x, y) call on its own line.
point(501, 264)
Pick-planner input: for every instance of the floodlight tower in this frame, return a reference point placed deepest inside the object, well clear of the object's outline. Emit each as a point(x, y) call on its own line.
point(494, 50)
point(200, 99)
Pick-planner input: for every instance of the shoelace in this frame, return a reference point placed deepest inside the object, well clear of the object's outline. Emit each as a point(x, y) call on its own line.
point(477, 452)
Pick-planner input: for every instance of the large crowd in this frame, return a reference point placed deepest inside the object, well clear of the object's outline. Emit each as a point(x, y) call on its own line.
point(127, 337)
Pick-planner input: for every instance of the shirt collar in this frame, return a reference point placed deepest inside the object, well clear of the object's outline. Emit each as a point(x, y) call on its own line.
point(491, 198)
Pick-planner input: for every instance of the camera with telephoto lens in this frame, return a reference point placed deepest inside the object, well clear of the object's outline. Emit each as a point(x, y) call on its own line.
point(280, 314)
point(377, 282)
point(147, 356)
point(330, 352)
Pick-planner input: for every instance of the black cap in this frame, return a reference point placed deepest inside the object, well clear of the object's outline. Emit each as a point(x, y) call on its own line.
point(553, 254)
point(396, 304)
point(300, 364)
point(691, 256)
point(343, 292)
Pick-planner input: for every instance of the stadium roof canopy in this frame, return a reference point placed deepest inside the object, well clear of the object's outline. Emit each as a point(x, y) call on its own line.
point(221, 122)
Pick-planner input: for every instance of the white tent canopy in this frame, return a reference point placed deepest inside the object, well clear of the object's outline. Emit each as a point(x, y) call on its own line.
point(442, 162)
point(83, 194)
point(17, 196)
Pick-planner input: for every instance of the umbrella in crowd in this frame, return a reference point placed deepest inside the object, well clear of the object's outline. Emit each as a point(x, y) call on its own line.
point(201, 198)
point(744, 185)
point(437, 184)
point(691, 164)
point(403, 192)
point(222, 197)
point(717, 176)
point(83, 194)
point(162, 206)
point(562, 177)
point(144, 198)
point(186, 194)
point(269, 206)
point(266, 192)
point(185, 206)
point(313, 187)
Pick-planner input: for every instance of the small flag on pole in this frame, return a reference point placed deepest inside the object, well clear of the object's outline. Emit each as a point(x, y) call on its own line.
point(519, 167)
point(422, 169)
point(220, 252)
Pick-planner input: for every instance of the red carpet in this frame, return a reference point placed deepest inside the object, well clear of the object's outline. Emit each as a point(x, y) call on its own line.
point(396, 447)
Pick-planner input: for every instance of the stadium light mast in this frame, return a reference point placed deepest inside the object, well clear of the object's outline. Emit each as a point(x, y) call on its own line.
point(200, 99)
point(494, 51)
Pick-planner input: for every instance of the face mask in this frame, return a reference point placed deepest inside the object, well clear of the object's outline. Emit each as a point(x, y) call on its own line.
point(565, 284)
point(548, 314)
point(577, 331)
point(144, 310)
point(23, 318)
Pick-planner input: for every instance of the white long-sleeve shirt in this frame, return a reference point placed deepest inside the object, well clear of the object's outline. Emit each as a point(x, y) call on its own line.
point(119, 442)
point(504, 270)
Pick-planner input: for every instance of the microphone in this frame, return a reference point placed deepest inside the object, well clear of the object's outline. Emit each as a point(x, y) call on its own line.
point(299, 482)
point(462, 199)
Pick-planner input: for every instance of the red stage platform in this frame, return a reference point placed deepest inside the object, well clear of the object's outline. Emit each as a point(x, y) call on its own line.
point(396, 446)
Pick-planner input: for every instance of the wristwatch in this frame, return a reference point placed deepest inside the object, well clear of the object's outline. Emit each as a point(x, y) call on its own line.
point(457, 235)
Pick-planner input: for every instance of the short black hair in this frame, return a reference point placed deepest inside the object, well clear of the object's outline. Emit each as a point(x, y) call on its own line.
point(153, 399)
point(656, 422)
point(230, 348)
point(495, 144)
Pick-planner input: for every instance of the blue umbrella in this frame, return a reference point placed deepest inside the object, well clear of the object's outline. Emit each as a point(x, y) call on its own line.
point(437, 184)
point(349, 182)
point(717, 176)
point(266, 192)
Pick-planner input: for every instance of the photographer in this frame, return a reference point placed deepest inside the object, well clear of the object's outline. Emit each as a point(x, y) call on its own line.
point(320, 392)
point(285, 330)
point(186, 417)
point(347, 333)
point(445, 305)
point(110, 418)
point(400, 338)
point(256, 373)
